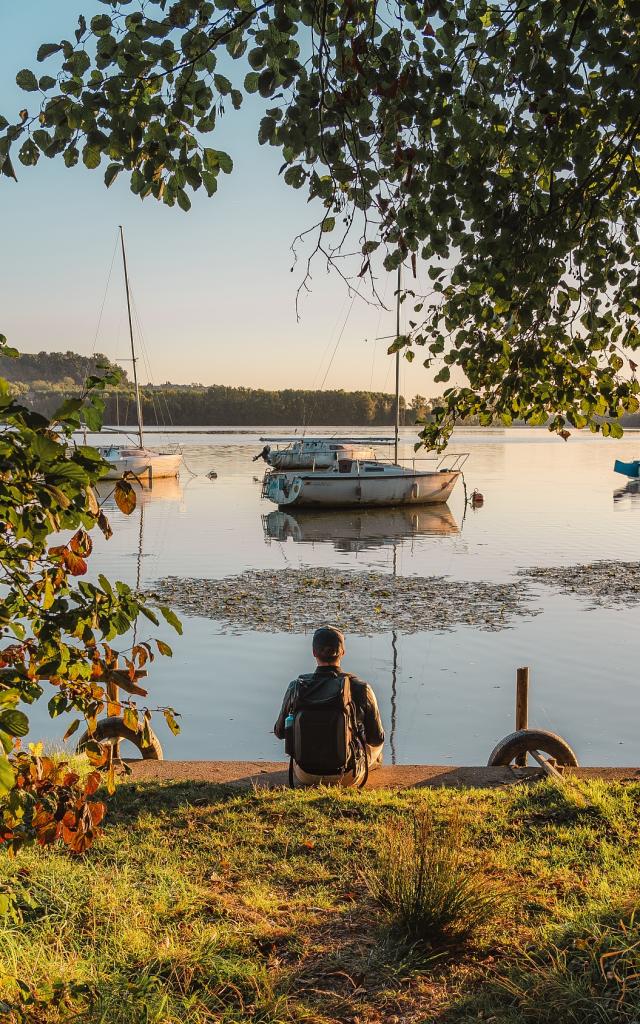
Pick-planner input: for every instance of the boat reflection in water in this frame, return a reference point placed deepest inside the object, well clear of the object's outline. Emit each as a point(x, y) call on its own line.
point(631, 488)
point(353, 530)
point(162, 489)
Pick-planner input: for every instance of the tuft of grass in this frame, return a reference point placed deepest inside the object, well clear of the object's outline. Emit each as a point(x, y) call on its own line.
point(421, 880)
point(582, 974)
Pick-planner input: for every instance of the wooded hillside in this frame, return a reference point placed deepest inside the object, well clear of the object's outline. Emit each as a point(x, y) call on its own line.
point(53, 367)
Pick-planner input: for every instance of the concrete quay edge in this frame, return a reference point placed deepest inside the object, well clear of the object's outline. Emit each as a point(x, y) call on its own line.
point(273, 774)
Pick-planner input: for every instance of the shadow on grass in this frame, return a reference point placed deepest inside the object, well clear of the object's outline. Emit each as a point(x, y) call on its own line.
point(133, 798)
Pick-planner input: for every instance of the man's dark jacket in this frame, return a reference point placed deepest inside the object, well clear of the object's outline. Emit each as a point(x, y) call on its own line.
point(362, 694)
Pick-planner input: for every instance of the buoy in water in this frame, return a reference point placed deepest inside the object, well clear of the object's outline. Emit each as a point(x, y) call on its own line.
point(477, 499)
point(212, 475)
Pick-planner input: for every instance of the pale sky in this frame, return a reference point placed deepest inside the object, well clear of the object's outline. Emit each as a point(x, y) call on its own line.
point(213, 287)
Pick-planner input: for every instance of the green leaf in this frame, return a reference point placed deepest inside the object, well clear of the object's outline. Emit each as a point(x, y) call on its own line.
point(7, 776)
point(171, 618)
point(47, 49)
point(111, 173)
point(101, 24)
point(68, 408)
point(150, 615)
point(222, 84)
point(295, 176)
point(215, 158)
point(266, 82)
point(210, 182)
point(27, 81)
point(226, 163)
point(328, 224)
point(257, 57)
point(14, 722)
point(91, 157)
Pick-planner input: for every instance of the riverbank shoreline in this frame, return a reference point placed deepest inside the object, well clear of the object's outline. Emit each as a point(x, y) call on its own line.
point(273, 774)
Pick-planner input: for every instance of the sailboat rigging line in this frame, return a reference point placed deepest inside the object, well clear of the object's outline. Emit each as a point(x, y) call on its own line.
point(335, 349)
point(377, 331)
point(160, 405)
point(104, 297)
point(163, 417)
point(186, 465)
point(339, 339)
point(133, 348)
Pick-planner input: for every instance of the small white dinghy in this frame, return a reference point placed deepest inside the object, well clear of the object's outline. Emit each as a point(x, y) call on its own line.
point(365, 484)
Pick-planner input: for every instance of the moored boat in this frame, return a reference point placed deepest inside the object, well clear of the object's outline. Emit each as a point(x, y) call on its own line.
point(360, 482)
point(141, 462)
point(630, 469)
point(365, 484)
point(317, 452)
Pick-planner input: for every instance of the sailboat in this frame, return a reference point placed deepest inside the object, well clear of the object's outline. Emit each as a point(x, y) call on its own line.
point(368, 483)
point(317, 452)
point(137, 460)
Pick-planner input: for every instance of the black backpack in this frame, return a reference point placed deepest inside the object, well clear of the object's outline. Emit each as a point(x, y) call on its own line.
point(324, 738)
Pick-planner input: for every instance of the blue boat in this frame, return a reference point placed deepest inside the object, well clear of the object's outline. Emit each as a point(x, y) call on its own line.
point(627, 468)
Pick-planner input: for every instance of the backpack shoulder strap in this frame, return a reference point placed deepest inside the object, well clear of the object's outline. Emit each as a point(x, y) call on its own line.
point(346, 687)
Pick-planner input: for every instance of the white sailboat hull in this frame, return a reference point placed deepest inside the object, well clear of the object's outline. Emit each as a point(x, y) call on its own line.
point(141, 463)
point(336, 490)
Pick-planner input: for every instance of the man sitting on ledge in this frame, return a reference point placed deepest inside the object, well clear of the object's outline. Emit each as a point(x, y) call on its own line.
point(330, 721)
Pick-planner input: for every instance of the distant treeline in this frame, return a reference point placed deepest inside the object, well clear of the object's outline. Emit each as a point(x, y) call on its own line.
point(224, 406)
point(40, 369)
point(45, 379)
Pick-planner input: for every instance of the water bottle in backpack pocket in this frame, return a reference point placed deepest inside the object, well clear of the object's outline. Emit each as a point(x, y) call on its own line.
point(288, 734)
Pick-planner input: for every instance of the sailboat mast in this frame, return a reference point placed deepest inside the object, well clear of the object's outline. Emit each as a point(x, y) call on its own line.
point(397, 425)
point(133, 348)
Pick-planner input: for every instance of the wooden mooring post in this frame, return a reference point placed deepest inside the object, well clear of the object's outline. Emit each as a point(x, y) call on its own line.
point(522, 707)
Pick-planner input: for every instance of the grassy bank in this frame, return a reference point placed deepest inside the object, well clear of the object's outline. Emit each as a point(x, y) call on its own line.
point(200, 904)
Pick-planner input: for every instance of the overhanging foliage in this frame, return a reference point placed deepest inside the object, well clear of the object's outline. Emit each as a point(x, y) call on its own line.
point(57, 629)
point(492, 148)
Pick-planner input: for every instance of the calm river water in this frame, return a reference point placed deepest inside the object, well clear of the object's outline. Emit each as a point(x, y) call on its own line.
point(445, 697)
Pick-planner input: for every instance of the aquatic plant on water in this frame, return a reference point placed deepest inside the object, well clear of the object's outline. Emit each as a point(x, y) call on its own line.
point(296, 600)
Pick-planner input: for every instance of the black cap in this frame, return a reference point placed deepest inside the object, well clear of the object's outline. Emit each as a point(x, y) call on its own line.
point(329, 640)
